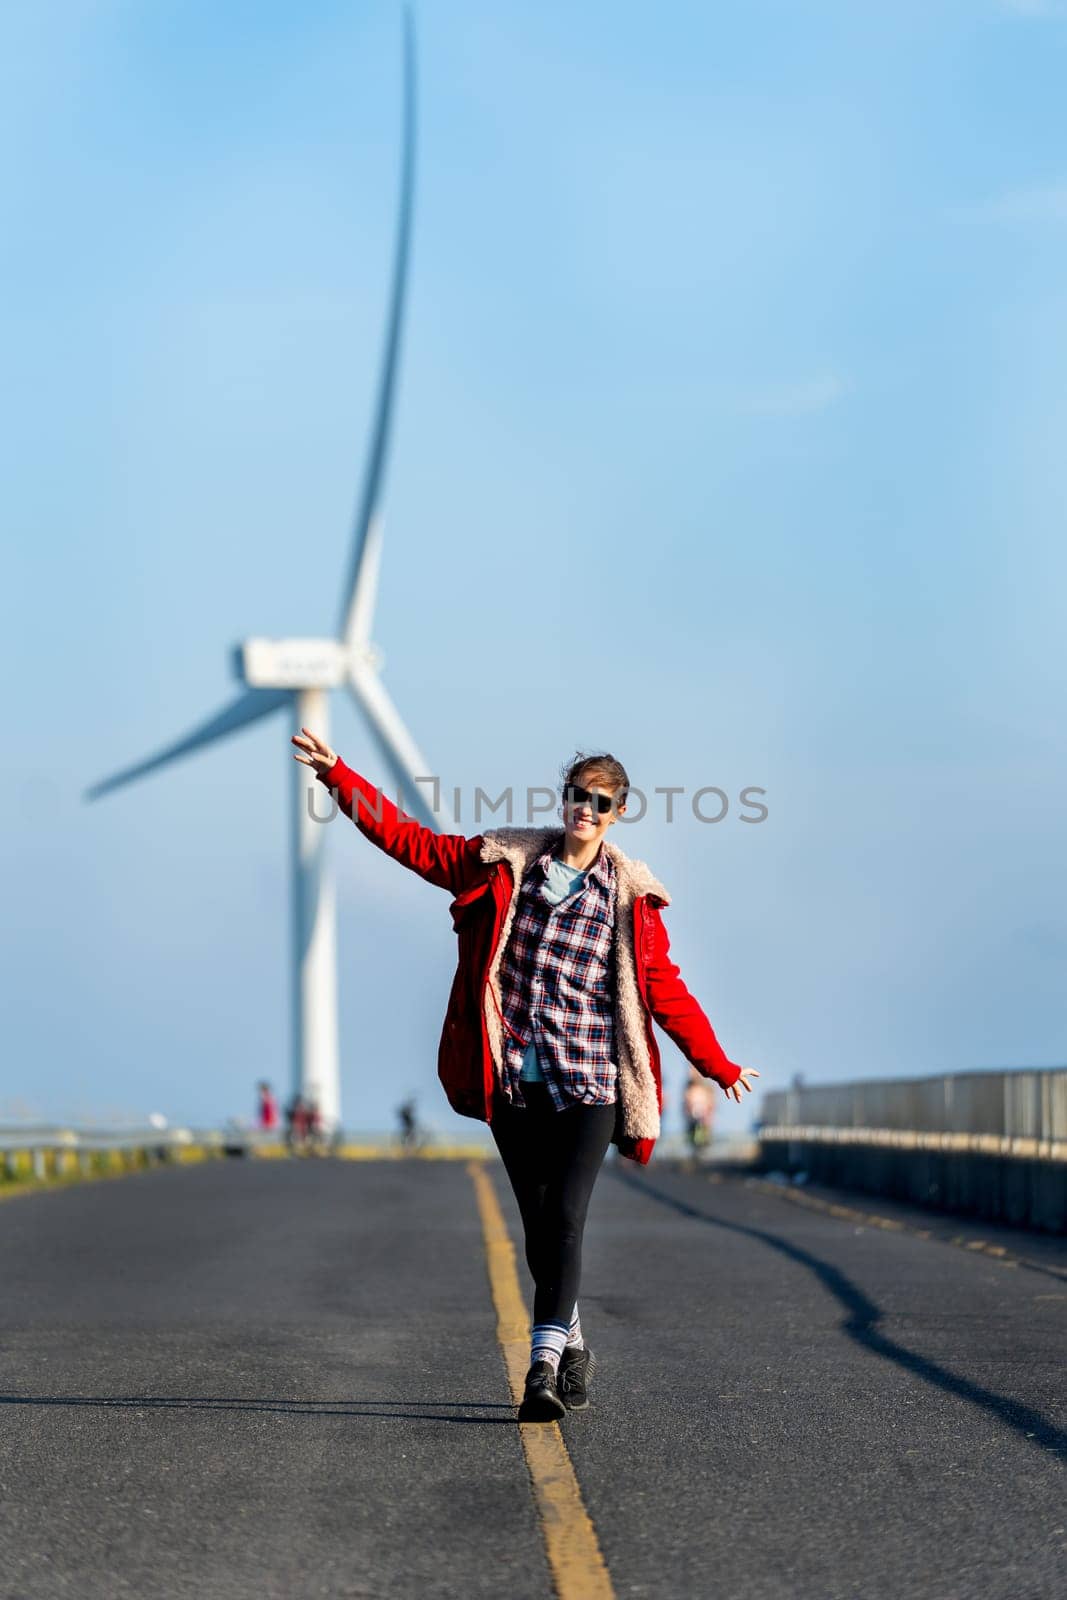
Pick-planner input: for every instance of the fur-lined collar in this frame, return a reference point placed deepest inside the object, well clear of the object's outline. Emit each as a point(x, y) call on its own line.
point(520, 846)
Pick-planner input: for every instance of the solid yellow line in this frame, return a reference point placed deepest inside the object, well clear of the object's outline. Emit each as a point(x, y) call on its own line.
point(571, 1545)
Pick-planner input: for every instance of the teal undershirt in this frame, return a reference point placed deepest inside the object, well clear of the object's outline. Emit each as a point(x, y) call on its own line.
point(560, 882)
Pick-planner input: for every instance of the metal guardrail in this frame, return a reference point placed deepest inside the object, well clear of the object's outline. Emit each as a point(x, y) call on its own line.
point(26, 1136)
point(1020, 1113)
point(41, 1151)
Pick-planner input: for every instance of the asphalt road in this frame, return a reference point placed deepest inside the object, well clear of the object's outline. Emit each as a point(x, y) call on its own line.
point(257, 1378)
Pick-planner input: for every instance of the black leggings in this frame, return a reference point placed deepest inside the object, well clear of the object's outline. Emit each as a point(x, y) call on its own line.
point(552, 1159)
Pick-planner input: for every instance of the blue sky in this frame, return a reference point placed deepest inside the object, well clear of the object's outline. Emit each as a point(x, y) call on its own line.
point(729, 438)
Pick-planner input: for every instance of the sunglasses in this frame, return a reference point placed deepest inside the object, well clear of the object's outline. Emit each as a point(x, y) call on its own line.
point(575, 795)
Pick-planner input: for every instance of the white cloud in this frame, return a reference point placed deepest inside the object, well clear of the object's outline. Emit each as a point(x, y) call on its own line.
point(805, 397)
point(1035, 8)
point(1039, 202)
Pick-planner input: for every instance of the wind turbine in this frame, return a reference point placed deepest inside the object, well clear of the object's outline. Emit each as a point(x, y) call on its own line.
point(295, 675)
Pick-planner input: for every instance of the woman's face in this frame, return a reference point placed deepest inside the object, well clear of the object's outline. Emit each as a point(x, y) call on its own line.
point(583, 820)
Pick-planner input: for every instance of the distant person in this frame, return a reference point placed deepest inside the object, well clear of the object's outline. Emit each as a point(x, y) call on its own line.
point(408, 1126)
point(268, 1107)
point(296, 1123)
point(698, 1107)
point(563, 963)
point(315, 1133)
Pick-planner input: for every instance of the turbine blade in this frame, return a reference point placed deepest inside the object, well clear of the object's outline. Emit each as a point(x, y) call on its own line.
point(248, 707)
point(402, 755)
point(361, 585)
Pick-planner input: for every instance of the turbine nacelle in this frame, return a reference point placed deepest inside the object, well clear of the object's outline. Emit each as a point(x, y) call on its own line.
point(304, 663)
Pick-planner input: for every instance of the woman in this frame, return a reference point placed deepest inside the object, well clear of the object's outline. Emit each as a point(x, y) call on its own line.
point(268, 1106)
point(563, 964)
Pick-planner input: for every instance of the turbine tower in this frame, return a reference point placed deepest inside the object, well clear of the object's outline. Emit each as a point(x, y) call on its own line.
point(295, 676)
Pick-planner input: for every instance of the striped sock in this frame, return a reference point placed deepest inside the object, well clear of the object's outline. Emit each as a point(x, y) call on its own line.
point(548, 1341)
point(574, 1337)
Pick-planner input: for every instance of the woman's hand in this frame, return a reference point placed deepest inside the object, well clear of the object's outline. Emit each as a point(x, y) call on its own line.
point(734, 1091)
point(319, 755)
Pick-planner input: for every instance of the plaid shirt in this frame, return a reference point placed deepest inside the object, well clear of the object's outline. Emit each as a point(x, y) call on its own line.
point(557, 981)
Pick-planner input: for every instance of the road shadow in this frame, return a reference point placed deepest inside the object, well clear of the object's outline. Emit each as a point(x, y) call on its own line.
point(861, 1325)
point(416, 1409)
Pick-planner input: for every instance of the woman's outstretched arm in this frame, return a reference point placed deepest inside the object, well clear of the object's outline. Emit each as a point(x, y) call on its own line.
point(449, 860)
point(680, 1016)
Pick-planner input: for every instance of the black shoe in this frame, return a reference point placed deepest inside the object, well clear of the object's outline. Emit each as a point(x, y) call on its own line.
point(541, 1402)
point(576, 1368)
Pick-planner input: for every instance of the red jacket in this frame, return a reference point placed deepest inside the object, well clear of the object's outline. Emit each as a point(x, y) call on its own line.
point(483, 874)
